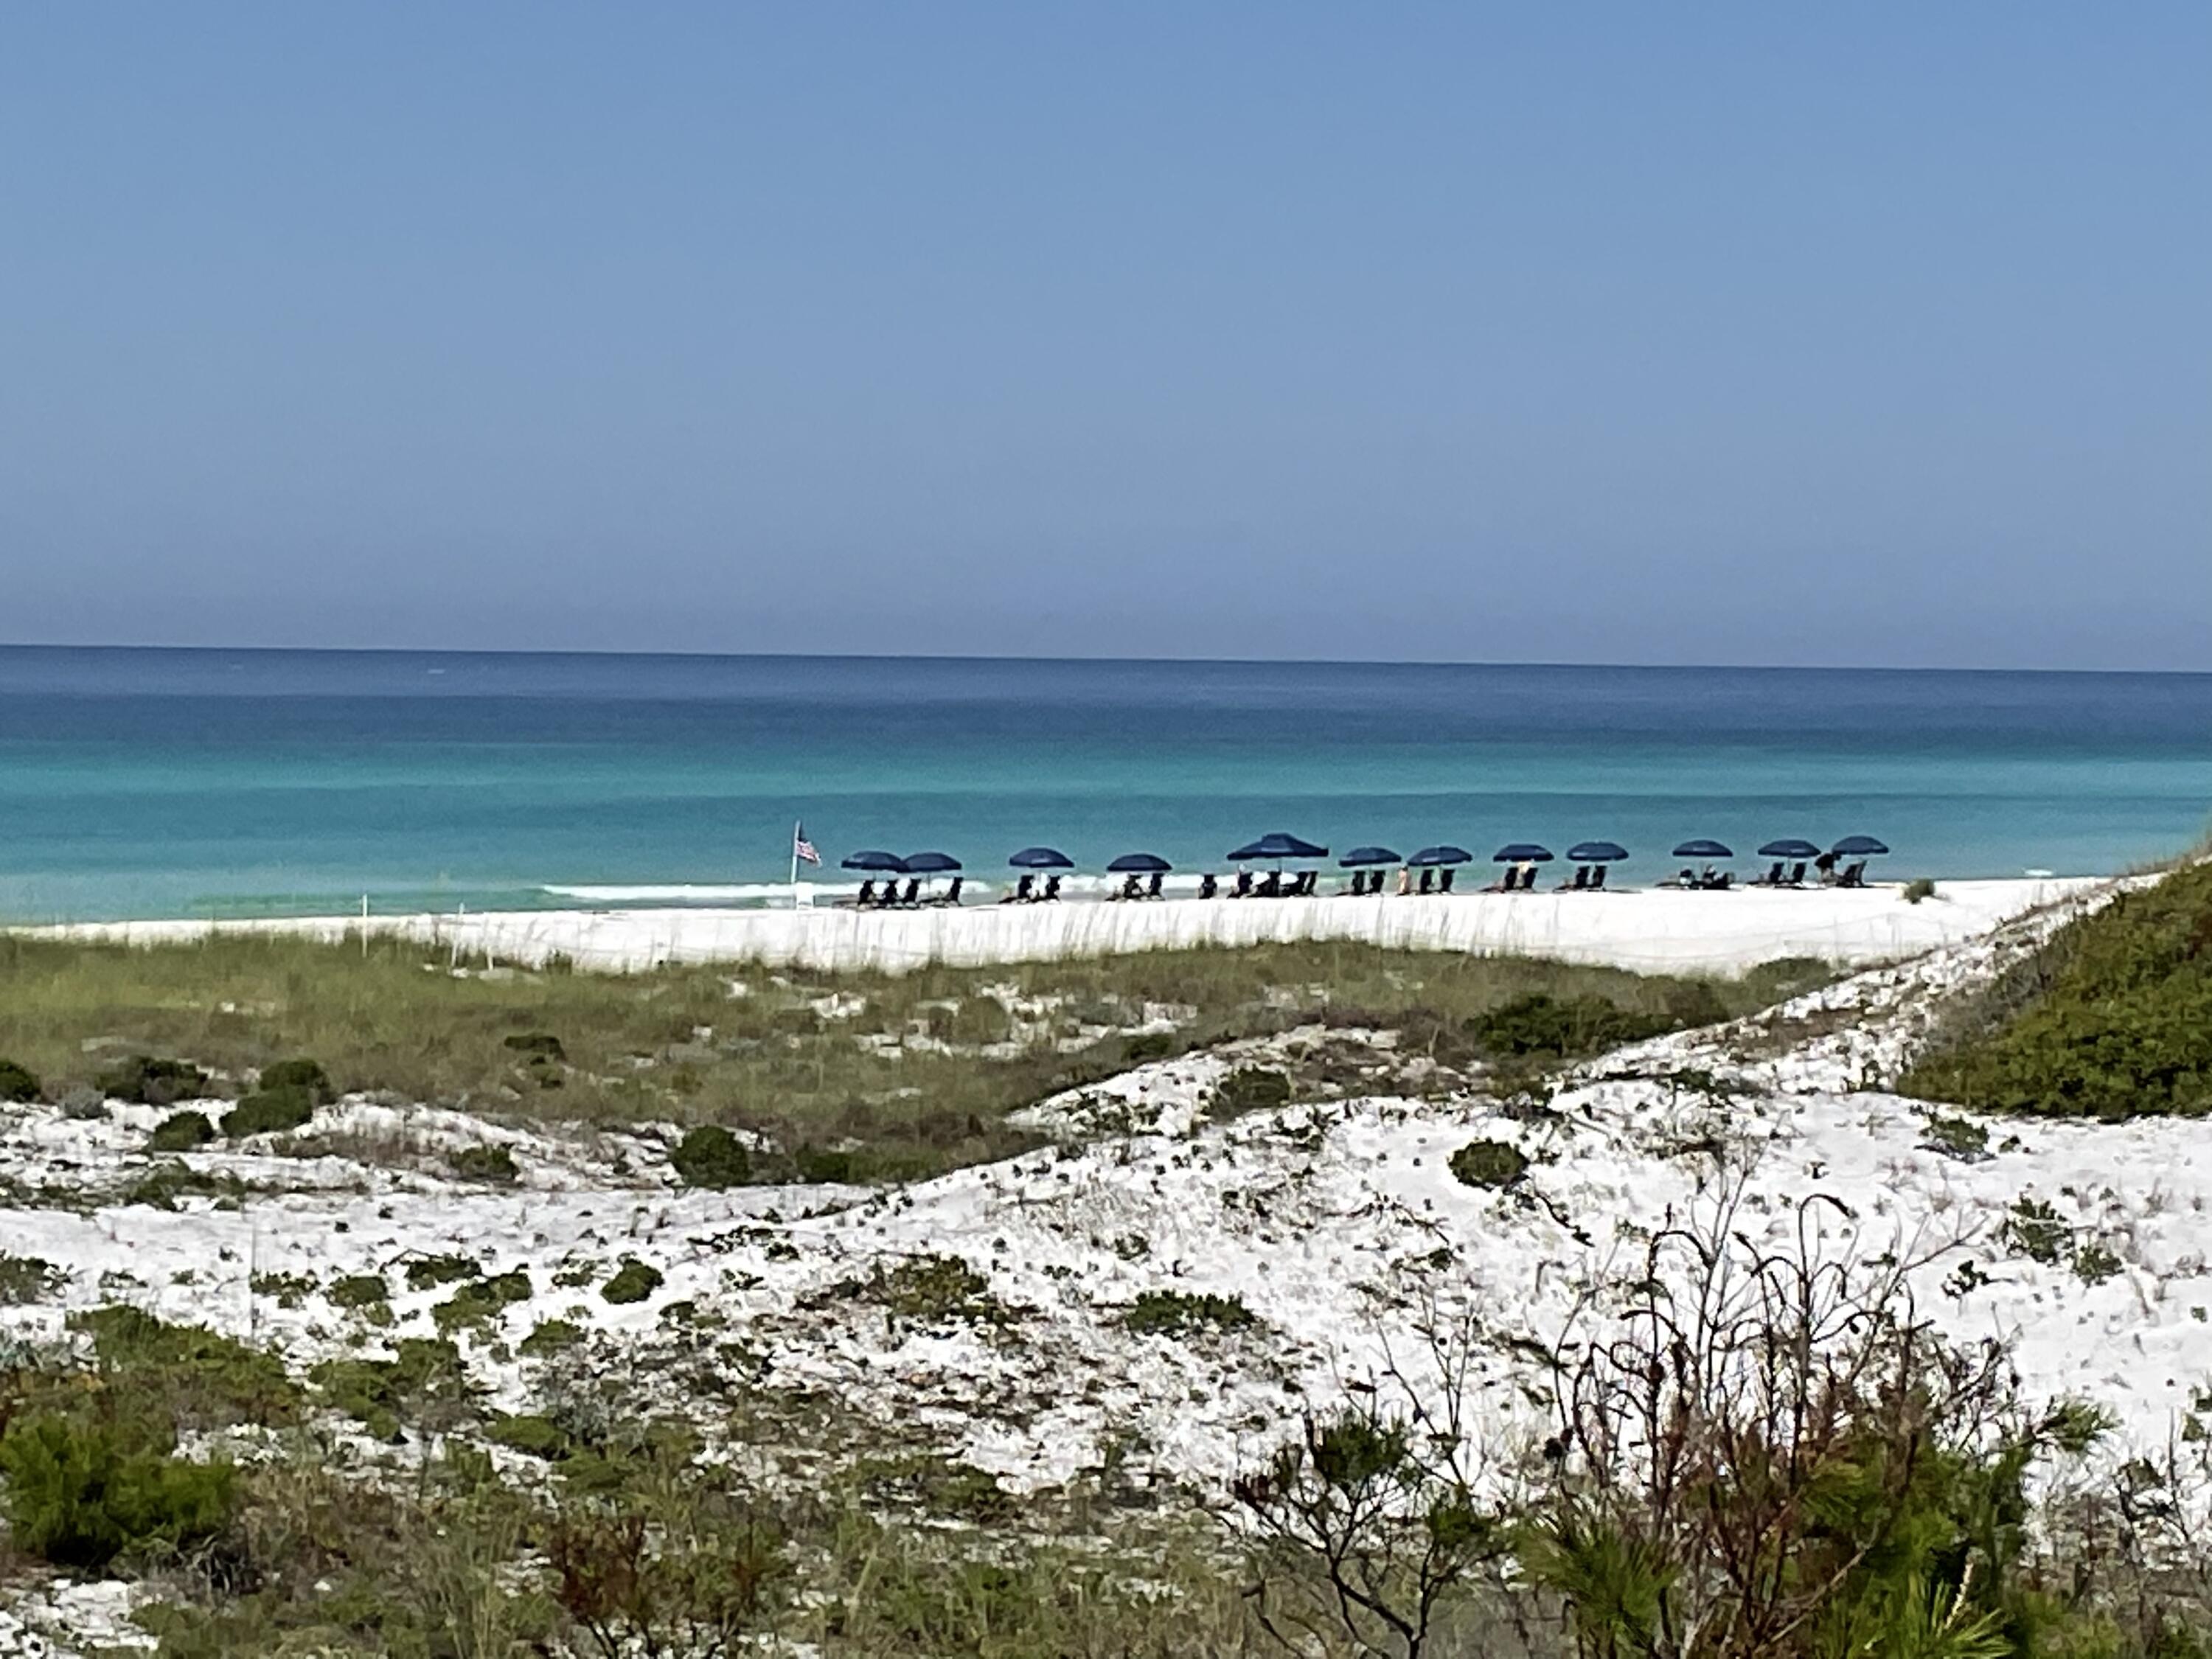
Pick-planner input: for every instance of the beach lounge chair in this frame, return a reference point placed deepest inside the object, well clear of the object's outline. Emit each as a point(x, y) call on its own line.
point(952, 894)
point(1209, 886)
point(1024, 891)
point(1581, 883)
point(1051, 888)
point(1129, 889)
point(867, 893)
point(1854, 875)
point(1271, 885)
point(1445, 878)
point(1720, 883)
point(1358, 884)
point(1243, 887)
point(1796, 875)
point(1152, 887)
point(1771, 879)
point(913, 893)
point(1597, 877)
point(1428, 880)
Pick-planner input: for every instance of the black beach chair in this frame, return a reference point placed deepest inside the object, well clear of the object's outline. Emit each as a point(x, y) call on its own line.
point(913, 893)
point(1152, 887)
point(1129, 889)
point(1445, 878)
point(1428, 880)
point(1024, 891)
point(1051, 894)
point(1854, 875)
point(1796, 875)
point(1581, 883)
point(867, 893)
point(1527, 878)
point(1597, 877)
point(1771, 879)
point(1358, 884)
point(951, 894)
point(1209, 886)
point(1243, 887)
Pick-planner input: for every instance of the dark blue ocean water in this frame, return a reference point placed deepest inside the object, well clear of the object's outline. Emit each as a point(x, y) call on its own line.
point(145, 782)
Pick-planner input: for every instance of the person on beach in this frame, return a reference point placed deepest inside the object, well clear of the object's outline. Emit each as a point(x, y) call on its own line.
point(1405, 881)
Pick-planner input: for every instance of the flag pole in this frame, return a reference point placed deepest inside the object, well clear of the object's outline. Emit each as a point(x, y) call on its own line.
point(796, 825)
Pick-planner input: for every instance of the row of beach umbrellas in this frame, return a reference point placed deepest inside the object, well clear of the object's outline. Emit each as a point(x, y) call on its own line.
point(1280, 848)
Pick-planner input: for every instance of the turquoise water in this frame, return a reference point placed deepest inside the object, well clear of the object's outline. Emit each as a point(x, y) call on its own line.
point(141, 783)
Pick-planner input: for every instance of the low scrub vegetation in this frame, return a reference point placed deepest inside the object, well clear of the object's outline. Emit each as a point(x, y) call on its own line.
point(808, 1076)
point(2112, 1019)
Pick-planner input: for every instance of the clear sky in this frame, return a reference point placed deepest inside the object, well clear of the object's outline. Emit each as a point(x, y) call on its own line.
point(1633, 333)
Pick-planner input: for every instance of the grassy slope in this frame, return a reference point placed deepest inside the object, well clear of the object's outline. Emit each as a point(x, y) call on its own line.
point(2111, 1019)
point(677, 1043)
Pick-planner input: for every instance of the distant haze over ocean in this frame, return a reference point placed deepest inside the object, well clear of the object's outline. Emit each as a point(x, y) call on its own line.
point(172, 782)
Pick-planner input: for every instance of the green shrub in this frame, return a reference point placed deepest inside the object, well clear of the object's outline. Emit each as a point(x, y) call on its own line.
point(537, 1437)
point(492, 1164)
point(180, 1132)
point(269, 1111)
point(306, 1074)
point(551, 1336)
point(427, 1272)
point(1543, 1025)
point(1147, 1046)
point(202, 1378)
point(633, 1281)
point(1175, 1313)
point(1491, 1164)
point(710, 1156)
point(817, 1164)
point(16, 1084)
point(537, 1045)
point(929, 1287)
point(28, 1278)
point(2032, 1228)
point(1956, 1137)
point(479, 1300)
point(1250, 1089)
point(360, 1291)
point(2111, 1018)
point(152, 1081)
point(80, 1493)
point(426, 1378)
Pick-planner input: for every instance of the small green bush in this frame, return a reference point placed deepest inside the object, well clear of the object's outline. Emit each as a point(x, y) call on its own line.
point(360, 1291)
point(480, 1300)
point(537, 1045)
point(537, 1437)
point(633, 1281)
point(1250, 1089)
point(151, 1082)
point(1543, 1025)
point(1174, 1313)
point(16, 1084)
point(269, 1111)
point(28, 1278)
point(427, 1272)
point(80, 1493)
point(200, 1377)
point(493, 1163)
point(551, 1336)
point(816, 1163)
point(2033, 1229)
point(1491, 1164)
point(306, 1074)
point(924, 1287)
point(1956, 1137)
point(710, 1156)
point(427, 1377)
point(180, 1132)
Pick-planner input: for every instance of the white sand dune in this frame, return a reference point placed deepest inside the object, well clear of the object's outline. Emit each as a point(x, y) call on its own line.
point(1657, 929)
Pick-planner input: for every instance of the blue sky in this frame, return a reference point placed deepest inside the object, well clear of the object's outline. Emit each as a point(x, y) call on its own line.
point(1626, 333)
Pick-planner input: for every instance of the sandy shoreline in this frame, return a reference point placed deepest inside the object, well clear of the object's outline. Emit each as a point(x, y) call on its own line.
point(1651, 929)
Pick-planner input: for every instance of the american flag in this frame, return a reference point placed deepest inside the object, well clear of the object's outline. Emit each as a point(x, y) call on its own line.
point(802, 848)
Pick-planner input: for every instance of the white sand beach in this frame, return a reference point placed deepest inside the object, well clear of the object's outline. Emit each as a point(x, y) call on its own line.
point(1660, 929)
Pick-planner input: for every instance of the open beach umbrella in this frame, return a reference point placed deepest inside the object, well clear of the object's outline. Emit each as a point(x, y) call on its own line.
point(1702, 849)
point(1790, 849)
point(1521, 852)
point(930, 864)
point(1362, 856)
point(1859, 847)
point(1435, 855)
point(1140, 864)
point(1278, 846)
point(891, 862)
point(1042, 858)
point(1597, 852)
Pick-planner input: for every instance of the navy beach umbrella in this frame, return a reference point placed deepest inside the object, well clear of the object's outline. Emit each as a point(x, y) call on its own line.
point(1140, 864)
point(930, 864)
point(1438, 856)
point(1702, 849)
point(1042, 858)
point(1859, 847)
point(1278, 846)
point(1521, 852)
point(891, 862)
point(1790, 849)
point(1597, 852)
point(1364, 855)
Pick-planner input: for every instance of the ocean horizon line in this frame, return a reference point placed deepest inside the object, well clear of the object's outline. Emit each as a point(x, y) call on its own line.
point(615, 654)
